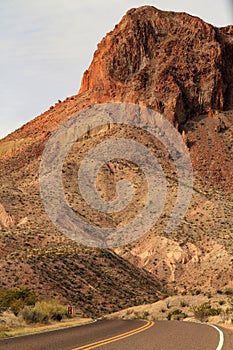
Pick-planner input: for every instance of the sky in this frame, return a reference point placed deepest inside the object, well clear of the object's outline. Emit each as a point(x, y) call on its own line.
point(46, 46)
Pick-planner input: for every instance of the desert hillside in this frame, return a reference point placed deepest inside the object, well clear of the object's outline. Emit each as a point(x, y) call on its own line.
point(177, 65)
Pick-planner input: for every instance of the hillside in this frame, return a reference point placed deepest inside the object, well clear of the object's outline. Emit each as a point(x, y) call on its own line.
point(177, 65)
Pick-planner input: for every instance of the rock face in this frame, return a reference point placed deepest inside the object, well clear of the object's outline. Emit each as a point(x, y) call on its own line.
point(183, 265)
point(172, 62)
point(6, 220)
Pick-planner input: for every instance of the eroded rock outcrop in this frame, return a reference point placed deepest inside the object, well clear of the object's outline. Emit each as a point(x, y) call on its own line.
point(172, 62)
point(6, 220)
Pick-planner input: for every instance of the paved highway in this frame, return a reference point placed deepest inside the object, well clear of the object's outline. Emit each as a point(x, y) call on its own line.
point(125, 335)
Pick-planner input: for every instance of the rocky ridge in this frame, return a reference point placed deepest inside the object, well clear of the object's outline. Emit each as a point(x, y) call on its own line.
point(173, 62)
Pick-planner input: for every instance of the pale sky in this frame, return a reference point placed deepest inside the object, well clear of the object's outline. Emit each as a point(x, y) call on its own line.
point(46, 46)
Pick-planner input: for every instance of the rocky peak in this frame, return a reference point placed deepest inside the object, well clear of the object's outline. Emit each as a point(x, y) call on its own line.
point(172, 62)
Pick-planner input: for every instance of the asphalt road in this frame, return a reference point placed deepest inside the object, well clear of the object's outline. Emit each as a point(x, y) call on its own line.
point(134, 335)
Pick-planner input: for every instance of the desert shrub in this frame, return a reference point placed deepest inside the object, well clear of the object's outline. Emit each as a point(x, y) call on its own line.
point(208, 294)
point(16, 299)
point(53, 308)
point(145, 314)
point(9, 320)
point(229, 292)
point(31, 315)
point(214, 311)
point(201, 312)
point(136, 315)
point(128, 312)
point(184, 303)
point(43, 311)
point(17, 305)
point(176, 315)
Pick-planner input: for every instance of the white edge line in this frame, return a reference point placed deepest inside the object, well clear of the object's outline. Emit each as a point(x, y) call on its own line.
point(221, 336)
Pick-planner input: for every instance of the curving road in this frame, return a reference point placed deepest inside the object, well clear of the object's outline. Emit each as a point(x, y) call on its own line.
point(125, 335)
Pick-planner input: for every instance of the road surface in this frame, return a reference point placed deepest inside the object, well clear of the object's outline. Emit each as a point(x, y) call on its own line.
point(125, 335)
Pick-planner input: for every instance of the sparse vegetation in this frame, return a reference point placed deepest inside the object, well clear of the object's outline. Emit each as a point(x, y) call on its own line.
point(184, 303)
point(16, 299)
point(20, 306)
point(186, 308)
point(203, 311)
point(43, 312)
point(177, 315)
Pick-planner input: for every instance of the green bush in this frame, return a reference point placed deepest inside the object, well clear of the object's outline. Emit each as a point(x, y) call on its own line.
point(31, 315)
point(201, 312)
point(43, 311)
point(176, 315)
point(229, 291)
point(16, 299)
point(214, 311)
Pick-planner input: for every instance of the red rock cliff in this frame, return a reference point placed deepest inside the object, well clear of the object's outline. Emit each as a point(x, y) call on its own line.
point(173, 62)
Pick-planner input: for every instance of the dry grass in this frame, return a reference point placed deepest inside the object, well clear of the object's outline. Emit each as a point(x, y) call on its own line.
point(23, 329)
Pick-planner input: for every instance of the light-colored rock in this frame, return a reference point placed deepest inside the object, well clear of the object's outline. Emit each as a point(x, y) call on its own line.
point(6, 220)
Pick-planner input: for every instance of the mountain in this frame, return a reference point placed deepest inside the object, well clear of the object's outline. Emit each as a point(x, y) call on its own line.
point(181, 67)
point(176, 64)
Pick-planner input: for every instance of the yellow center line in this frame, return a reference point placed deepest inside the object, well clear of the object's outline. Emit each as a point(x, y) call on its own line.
point(116, 338)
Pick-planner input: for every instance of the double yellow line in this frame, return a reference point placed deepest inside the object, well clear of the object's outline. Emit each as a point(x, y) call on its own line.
point(148, 325)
